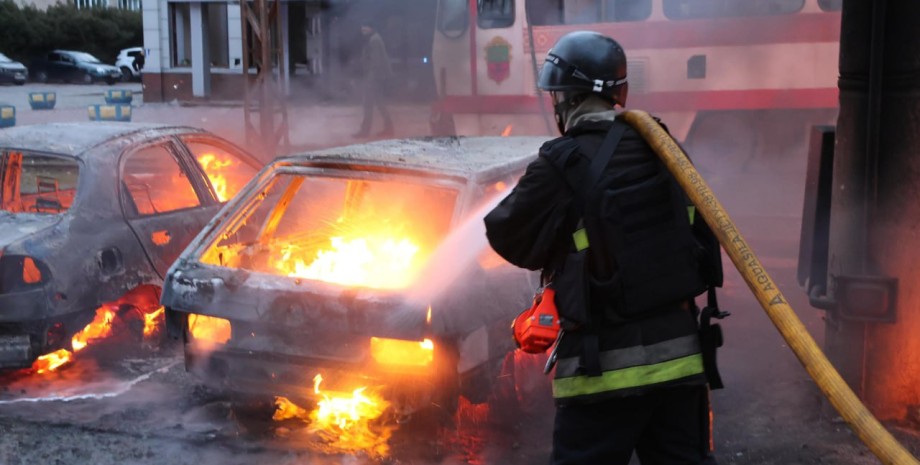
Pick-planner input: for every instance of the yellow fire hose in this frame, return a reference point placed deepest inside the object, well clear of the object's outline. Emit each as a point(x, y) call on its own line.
point(870, 431)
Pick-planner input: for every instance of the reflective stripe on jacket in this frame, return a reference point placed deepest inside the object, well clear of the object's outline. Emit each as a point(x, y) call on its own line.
point(625, 370)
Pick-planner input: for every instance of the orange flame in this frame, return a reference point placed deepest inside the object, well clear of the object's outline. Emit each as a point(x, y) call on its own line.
point(507, 131)
point(101, 327)
point(216, 170)
point(152, 322)
point(209, 329)
point(378, 259)
point(50, 362)
point(345, 421)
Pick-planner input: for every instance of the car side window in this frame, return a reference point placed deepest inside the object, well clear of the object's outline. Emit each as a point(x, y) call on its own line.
point(54, 57)
point(226, 170)
point(154, 183)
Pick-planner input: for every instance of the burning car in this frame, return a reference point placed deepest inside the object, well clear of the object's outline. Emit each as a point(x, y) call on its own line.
point(362, 266)
point(91, 217)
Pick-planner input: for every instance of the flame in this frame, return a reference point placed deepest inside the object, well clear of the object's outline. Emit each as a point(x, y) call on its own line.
point(379, 258)
point(209, 329)
point(216, 169)
point(50, 362)
point(401, 352)
point(344, 421)
point(507, 131)
point(152, 322)
point(100, 327)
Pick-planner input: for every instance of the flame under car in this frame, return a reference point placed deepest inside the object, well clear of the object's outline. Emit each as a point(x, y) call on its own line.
point(91, 217)
point(366, 264)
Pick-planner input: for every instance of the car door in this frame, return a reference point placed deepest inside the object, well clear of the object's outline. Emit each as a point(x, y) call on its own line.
point(226, 168)
point(69, 70)
point(54, 66)
point(165, 200)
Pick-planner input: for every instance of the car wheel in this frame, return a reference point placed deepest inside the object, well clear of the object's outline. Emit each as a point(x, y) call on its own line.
point(41, 77)
point(87, 79)
point(126, 74)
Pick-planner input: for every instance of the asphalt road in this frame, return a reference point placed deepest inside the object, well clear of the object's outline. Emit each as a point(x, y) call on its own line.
point(140, 407)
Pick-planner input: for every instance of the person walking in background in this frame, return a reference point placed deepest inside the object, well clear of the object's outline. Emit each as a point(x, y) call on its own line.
point(375, 66)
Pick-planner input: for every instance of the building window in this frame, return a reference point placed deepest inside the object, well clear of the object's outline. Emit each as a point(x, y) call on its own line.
point(180, 34)
point(134, 5)
point(80, 4)
point(699, 9)
point(493, 14)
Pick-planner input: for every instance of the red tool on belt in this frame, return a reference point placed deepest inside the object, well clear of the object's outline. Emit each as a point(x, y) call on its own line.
point(537, 328)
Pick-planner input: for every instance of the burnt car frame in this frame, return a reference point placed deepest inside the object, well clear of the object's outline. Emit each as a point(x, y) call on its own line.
point(256, 330)
point(88, 215)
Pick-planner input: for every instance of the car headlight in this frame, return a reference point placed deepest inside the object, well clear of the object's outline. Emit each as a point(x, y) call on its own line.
point(100, 70)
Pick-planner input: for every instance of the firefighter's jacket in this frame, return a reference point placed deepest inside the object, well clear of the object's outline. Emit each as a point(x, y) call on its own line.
point(533, 226)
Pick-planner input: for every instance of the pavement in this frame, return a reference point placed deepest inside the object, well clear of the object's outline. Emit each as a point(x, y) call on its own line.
point(312, 124)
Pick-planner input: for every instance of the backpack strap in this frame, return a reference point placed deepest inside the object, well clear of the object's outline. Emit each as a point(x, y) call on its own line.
point(584, 189)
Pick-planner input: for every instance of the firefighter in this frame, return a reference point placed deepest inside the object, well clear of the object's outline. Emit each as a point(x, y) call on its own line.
point(629, 375)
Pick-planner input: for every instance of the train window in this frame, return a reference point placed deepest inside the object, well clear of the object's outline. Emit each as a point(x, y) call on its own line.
point(697, 9)
point(830, 5)
point(546, 12)
point(493, 14)
point(453, 17)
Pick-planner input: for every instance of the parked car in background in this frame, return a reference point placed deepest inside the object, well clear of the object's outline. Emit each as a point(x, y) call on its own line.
point(92, 213)
point(12, 71)
point(365, 264)
point(72, 66)
point(131, 63)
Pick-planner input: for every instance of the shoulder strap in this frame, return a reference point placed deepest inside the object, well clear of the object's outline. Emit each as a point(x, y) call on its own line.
point(599, 162)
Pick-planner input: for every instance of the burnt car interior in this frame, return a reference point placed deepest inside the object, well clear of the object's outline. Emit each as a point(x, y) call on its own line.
point(356, 232)
point(37, 183)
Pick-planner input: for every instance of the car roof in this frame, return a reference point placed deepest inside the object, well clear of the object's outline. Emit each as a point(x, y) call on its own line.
point(464, 157)
point(75, 139)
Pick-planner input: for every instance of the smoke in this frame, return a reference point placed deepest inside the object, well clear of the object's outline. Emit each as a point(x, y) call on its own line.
point(455, 256)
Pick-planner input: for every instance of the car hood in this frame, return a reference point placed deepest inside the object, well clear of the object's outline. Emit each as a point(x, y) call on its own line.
point(15, 227)
point(16, 66)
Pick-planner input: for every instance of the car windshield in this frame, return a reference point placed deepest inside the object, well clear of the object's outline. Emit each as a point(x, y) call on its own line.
point(4, 59)
point(34, 183)
point(373, 233)
point(85, 57)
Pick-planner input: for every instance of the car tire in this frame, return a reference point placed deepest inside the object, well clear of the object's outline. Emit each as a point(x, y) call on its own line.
point(41, 77)
point(126, 74)
point(87, 78)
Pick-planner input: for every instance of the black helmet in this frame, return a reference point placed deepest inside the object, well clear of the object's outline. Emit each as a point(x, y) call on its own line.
point(585, 62)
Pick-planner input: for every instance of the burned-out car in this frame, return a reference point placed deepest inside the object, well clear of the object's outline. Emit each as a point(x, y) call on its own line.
point(92, 212)
point(367, 265)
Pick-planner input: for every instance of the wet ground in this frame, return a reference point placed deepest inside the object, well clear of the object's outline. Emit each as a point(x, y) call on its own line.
point(138, 406)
